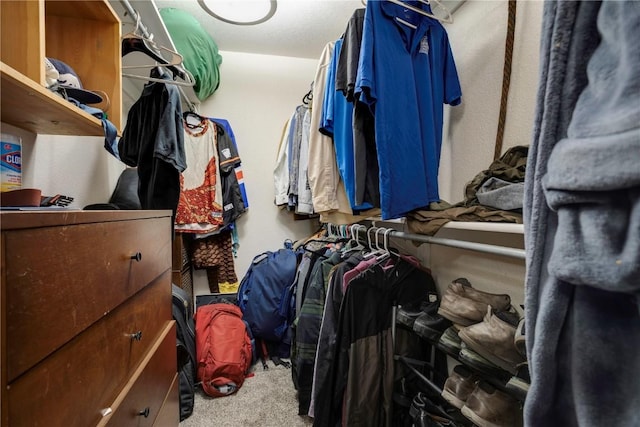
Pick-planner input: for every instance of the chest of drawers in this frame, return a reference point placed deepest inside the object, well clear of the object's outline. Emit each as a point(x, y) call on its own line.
point(87, 336)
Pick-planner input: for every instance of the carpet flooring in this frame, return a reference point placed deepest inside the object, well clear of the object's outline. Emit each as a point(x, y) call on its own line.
point(266, 399)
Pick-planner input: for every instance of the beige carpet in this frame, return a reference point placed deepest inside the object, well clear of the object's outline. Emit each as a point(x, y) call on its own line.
point(267, 399)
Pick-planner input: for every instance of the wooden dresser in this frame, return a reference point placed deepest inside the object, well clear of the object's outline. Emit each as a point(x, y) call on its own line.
point(87, 336)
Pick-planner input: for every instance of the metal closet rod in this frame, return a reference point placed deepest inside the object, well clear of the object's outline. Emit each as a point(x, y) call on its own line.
point(462, 244)
point(135, 15)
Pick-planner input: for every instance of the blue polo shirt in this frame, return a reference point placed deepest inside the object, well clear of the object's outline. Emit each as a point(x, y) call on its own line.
point(337, 122)
point(405, 75)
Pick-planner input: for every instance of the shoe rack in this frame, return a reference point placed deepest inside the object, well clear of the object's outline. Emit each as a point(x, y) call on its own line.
point(83, 34)
point(491, 257)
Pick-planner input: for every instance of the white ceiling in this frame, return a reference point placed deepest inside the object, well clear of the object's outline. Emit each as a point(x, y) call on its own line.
point(299, 28)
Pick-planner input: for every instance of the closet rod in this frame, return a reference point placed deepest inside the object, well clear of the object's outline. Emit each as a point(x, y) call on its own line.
point(137, 18)
point(462, 244)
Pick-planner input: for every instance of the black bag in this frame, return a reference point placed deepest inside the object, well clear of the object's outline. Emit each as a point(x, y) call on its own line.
point(182, 310)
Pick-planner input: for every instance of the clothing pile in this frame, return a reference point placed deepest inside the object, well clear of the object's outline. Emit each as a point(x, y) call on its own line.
point(493, 195)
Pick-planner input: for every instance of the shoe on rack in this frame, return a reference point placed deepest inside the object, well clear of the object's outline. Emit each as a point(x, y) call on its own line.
point(459, 386)
point(490, 407)
point(425, 413)
point(519, 383)
point(407, 314)
point(431, 326)
point(519, 339)
point(493, 339)
point(450, 342)
point(480, 364)
point(464, 305)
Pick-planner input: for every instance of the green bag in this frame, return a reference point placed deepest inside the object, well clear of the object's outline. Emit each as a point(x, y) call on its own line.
point(200, 52)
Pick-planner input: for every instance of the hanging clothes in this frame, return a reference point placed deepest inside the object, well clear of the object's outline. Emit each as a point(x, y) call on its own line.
point(308, 327)
point(329, 325)
point(237, 163)
point(214, 254)
point(366, 183)
point(200, 207)
point(337, 122)
point(358, 386)
point(404, 76)
point(228, 160)
point(281, 169)
point(153, 141)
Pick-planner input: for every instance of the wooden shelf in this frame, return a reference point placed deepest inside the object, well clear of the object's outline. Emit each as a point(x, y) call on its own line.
point(30, 106)
point(83, 34)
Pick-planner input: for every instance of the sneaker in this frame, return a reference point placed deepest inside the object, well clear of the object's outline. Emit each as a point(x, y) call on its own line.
point(493, 339)
point(407, 314)
point(480, 364)
point(519, 383)
point(431, 326)
point(450, 342)
point(489, 407)
point(425, 413)
point(464, 305)
point(459, 386)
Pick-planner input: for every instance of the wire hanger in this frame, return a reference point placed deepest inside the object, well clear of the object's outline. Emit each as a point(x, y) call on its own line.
point(447, 19)
point(308, 97)
point(136, 42)
point(201, 121)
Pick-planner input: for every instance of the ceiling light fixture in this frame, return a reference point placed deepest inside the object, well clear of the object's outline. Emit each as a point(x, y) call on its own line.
point(246, 12)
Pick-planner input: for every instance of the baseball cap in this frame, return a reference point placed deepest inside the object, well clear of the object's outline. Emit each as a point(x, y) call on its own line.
point(58, 72)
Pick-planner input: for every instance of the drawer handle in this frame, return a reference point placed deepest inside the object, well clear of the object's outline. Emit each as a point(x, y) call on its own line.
point(136, 336)
point(137, 256)
point(145, 412)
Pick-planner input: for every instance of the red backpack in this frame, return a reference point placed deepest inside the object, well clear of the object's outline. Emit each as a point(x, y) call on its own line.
point(223, 348)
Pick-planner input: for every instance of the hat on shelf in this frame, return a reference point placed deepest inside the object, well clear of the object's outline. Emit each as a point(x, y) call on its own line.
point(57, 72)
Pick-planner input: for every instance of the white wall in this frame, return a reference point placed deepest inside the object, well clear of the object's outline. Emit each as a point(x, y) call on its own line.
point(78, 167)
point(257, 94)
point(477, 38)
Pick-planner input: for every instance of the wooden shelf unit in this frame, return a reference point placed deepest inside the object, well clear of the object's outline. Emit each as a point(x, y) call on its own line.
point(85, 35)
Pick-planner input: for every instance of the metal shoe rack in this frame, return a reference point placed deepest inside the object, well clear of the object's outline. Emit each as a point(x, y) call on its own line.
point(360, 231)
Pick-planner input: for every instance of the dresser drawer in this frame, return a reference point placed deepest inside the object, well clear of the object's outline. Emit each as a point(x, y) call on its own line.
point(70, 387)
point(141, 400)
point(60, 280)
point(169, 414)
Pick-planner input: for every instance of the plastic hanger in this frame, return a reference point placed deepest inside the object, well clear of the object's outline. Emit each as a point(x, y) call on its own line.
point(354, 244)
point(377, 251)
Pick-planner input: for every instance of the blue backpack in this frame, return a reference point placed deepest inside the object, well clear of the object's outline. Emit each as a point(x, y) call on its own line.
point(266, 294)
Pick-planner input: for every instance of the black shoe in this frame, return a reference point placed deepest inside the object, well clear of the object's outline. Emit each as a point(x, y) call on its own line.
point(407, 314)
point(450, 342)
point(431, 326)
point(518, 385)
point(426, 414)
point(482, 365)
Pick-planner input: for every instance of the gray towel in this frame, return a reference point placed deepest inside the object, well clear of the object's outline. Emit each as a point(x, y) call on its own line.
point(500, 194)
point(582, 219)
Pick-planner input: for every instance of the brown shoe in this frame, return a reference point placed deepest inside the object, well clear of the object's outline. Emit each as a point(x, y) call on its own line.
point(489, 407)
point(493, 340)
point(466, 306)
point(519, 339)
point(459, 386)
